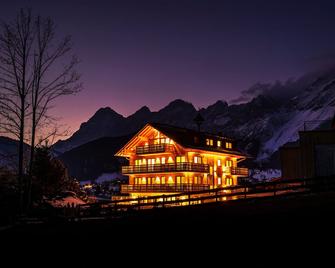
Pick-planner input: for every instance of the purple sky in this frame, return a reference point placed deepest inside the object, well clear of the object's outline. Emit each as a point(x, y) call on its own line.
point(137, 53)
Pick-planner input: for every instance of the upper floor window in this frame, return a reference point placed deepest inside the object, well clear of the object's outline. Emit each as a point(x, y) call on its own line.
point(219, 162)
point(229, 145)
point(219, 143)
point(197, 160)
point(229, 163)
point(209, 142)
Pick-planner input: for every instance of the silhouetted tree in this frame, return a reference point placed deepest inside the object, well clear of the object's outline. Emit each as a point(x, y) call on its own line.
point(31, 78)
point(50, 176)
point(16, 78)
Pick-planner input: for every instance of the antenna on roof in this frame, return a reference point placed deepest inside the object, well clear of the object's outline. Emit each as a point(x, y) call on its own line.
point(199, 120)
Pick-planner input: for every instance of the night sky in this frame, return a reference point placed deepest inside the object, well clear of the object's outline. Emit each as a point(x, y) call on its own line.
point(136, 53)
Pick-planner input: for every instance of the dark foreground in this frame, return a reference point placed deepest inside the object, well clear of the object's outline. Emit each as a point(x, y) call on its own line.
point(259, 230)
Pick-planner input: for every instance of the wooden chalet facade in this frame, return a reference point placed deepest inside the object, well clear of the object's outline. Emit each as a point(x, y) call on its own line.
point(164, 159)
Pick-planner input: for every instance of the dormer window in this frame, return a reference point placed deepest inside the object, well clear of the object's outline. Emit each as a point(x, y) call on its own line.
point(209, 142)
point(219, 143)
point(229, 145)
point(196, 140)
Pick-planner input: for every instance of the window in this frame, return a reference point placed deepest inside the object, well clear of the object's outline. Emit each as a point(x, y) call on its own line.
point(157, 180)
point(209, 142)
point(197, 160)
point(163, 180)
point(219, 143)
point(229, 163)
point(219, 162)
point(170, 180)
point(229, 145)
point(163, 160)
point(180, 159)
point(229, 181)
point(219, 181)
point(180, 179)
point(197, 180)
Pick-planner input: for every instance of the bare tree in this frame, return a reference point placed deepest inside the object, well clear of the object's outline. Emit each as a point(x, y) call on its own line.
point(32, 76)
point(48, 83)
point(16, 42)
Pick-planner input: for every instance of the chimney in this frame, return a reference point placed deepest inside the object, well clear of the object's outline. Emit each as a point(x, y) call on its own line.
point(199, 120)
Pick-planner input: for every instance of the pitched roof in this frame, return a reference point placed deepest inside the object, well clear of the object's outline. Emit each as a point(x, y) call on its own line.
point(189, 138)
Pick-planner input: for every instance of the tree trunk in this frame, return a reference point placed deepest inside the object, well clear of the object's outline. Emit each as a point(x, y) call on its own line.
point(21, 151)
point(31, 162)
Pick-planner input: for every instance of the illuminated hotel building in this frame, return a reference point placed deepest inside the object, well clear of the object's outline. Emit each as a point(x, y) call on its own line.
point(165, 159)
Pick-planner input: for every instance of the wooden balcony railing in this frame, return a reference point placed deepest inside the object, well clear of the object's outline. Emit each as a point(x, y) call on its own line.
point(160, 168)
point(154, 148)
point(239, 171)
point(163, 188)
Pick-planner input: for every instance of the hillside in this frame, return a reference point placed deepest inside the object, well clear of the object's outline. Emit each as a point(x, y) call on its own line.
point(90, 160)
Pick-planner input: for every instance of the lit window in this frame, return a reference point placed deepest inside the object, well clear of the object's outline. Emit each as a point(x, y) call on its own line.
point(163, 180)
point(170, 180)
point(197, 159)
point(170, 160)
point(180, 159)
point(196, 178)
point(207, 142)
point(219, 181)
point(144, 180)
point(229, 181)
point(163, 160)
point(219, 143)
point(229, 163)
point(229, 145)
point(157, 181)
point(211, 142)
point(219, 162)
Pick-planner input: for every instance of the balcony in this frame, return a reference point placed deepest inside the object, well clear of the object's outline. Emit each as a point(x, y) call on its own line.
point(154, 148)
point(163, 188)
point(239, 171)
point(162, 168)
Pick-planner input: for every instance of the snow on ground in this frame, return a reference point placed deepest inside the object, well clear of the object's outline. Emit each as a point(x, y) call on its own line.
point(265, 175)
point(66, 201)
point(109, 177)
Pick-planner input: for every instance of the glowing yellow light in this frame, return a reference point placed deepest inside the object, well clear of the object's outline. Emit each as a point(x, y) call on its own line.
point(170, 180)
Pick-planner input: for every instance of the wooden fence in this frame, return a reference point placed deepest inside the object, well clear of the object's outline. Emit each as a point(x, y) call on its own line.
point(276, 188)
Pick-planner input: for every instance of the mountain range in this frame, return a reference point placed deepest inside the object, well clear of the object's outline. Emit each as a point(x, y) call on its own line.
point(264, 118)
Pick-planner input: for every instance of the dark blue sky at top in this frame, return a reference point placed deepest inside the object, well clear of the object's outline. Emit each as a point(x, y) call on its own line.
point(136, 53)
